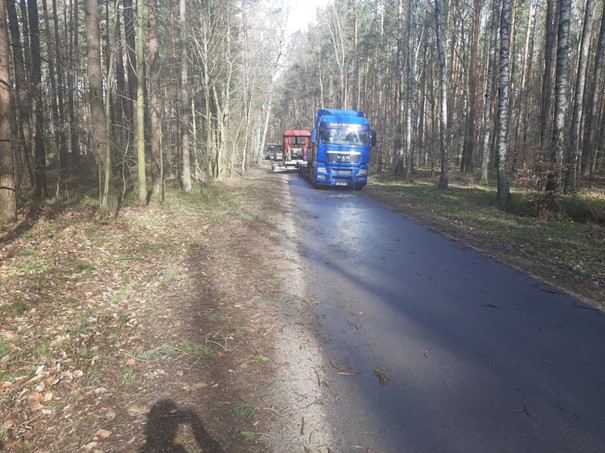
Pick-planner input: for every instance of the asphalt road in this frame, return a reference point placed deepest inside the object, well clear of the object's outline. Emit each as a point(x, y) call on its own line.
point(431, 346)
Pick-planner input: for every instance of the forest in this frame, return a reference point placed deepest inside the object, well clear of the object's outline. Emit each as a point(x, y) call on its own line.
point(138, 270)
point(138, 94)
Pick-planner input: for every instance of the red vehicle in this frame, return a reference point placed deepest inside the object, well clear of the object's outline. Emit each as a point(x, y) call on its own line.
point(295, 146)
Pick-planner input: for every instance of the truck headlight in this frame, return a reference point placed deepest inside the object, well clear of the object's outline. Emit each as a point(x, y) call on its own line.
point(323, 170)
point(362, 172)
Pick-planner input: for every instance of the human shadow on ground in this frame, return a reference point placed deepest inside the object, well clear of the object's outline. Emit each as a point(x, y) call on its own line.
point(163, 422)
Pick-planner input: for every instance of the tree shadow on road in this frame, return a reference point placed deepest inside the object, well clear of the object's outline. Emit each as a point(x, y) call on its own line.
point(163, 422)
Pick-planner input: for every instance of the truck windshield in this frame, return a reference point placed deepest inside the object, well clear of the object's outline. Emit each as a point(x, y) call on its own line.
point(298, 140)
point(333, 136)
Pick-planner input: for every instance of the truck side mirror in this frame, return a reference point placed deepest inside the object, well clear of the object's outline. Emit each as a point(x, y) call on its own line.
point(313, 135)
point(373, 138)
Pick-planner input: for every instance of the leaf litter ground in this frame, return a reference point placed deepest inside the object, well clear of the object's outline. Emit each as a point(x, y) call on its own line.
point(152, 332)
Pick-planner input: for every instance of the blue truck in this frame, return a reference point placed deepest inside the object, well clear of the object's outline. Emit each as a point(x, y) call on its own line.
point(340, 149)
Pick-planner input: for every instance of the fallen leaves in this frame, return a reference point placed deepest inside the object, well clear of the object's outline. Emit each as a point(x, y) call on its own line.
point(92, 324)
point(66, 299)
point(102, 434)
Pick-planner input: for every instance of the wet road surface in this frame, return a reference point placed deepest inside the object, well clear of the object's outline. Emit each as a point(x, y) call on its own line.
point(435, 347)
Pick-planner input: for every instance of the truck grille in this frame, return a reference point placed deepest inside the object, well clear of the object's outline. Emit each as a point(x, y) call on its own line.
point(342, 172)
point(348, 157)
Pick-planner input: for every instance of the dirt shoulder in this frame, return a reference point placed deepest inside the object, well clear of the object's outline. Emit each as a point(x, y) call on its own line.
point(168, 329)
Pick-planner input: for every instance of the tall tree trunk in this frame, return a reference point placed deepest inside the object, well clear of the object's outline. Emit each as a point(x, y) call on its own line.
point(99, 131)
point(267, 107)
point(247, 91)
point(172, 91)
point(157, 176)
point(40, 188)
point(489, 99)
point(571, 161)
point(549, 56)
point(400, 142)
point(24, 175)
point(140, 128)
point(512, 62)
point(222, 99)
point(109, 111)
point(8, 198)
point(469, 129)
point(58, 138)
point(74, 57)
point(421, 135)
point(184, 101)
point(23, 6)
point(503, 100)
point(59, 64)
point(443, 129)
point(561, 101)
point(130, 39)
point(322, 98)
point(410, 91)
point(203, 46)
point(591, 119)
point(522, 117)
point(120, 133)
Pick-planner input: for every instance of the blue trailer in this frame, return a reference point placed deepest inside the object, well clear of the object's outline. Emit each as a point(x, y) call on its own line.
point(340, 149)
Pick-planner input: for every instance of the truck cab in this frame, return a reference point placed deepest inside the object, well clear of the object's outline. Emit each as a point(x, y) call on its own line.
point(340, 149)
point(295, 146)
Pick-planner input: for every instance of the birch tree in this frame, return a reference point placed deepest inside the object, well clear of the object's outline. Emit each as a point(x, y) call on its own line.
point(572, 153)
point(184, 101)
point(130, 39)
point(410, 91)
point(247, 90)
point(489, 88)
point(401, 149)
point(202, 42)
point(526, 69)
point(140, 103)
point(561, 101)
point(549, 56)
point(503, 99)
point(471, 116)
point(443, 129)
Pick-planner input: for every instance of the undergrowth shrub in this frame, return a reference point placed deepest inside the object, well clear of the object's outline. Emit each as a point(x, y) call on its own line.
point(583, 209)
point(553, 206)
